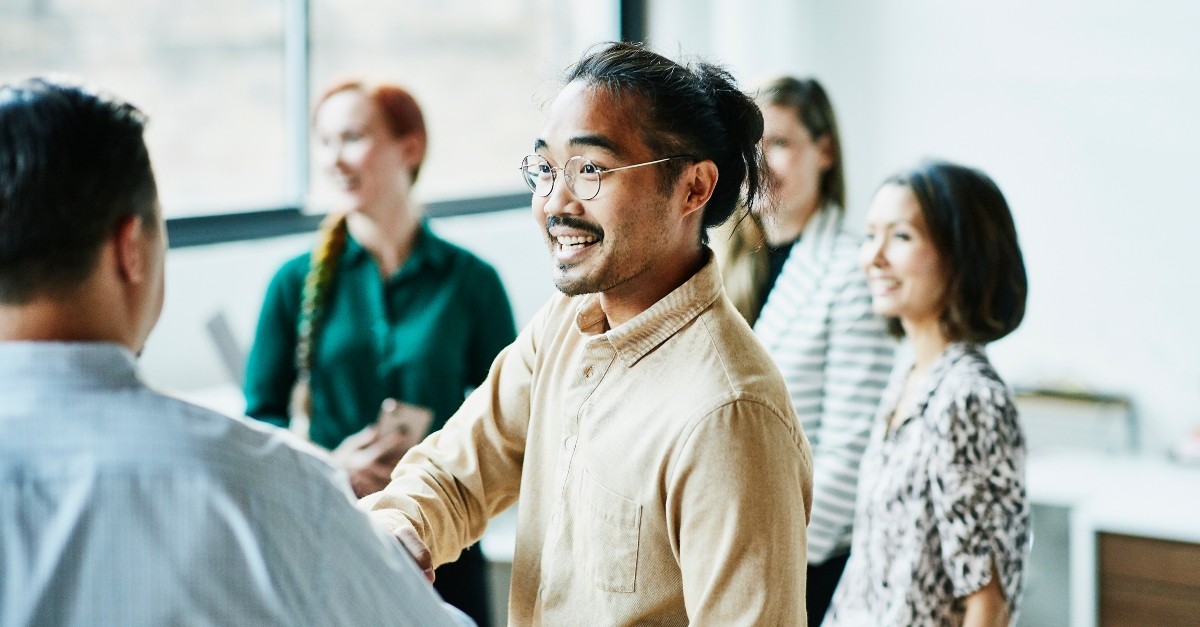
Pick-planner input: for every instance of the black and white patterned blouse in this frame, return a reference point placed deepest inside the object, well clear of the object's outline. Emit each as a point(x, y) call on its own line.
point(940, 497)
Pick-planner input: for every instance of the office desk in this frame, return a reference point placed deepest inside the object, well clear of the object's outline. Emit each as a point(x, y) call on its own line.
point(1103, 493)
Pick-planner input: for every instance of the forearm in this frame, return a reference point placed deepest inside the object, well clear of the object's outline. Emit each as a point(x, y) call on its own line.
point(453, 482)
point(987, 606)
point(441, 496)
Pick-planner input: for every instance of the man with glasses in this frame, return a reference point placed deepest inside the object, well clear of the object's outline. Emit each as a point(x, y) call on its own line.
point(662, 474)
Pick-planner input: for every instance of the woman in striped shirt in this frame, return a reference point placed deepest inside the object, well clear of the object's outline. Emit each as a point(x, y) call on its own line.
point(807, 300)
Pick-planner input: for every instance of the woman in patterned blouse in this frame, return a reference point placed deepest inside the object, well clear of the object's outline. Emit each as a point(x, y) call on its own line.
point(941, 525)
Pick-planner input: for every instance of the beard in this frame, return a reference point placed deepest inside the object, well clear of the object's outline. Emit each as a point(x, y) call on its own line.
point(571, 278)
point(576, 285)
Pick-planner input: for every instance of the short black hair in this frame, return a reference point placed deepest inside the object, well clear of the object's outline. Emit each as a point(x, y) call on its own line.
point(971, 226)
point(73, 164)
point(695, 110)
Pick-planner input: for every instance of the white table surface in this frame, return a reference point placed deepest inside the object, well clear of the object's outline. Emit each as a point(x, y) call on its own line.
point(1133, 495)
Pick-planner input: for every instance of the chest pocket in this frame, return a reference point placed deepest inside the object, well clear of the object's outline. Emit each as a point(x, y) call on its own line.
point(613, 535)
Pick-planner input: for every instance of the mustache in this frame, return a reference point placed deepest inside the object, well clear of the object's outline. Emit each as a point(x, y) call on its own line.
point(573, 223)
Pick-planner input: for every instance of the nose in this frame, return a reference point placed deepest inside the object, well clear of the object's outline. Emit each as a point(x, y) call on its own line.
point(561, 201)
point(872, 253)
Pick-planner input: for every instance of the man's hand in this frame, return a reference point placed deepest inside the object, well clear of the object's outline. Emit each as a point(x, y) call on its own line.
point(408, 538)
point(369, 456)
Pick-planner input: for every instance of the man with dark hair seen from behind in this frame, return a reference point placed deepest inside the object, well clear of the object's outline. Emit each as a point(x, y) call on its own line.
point(662, 474)
point(119, 505)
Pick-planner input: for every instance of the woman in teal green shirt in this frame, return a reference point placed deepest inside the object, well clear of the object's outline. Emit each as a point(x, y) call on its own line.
point(382, 308)
point(424, 335)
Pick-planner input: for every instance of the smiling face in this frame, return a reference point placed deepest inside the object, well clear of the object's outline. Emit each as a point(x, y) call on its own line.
point(630, 241)
point(797, 161)
point(906, 273)
point(367, 165)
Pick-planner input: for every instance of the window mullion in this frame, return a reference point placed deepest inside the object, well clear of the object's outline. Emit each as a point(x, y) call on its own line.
point(297, 71)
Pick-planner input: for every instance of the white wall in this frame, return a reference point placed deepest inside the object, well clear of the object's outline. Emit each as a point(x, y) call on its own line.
point(233, 277)
point(1086, 115)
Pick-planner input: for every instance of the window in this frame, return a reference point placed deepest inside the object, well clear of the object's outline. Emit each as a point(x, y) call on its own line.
point(227, 82)
point(480, 70)
point(213, 86)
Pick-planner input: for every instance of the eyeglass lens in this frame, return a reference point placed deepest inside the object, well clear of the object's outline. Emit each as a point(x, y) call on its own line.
point(582, 176)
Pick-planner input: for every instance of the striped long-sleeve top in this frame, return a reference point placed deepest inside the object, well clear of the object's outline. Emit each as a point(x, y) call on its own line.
point(835, 356)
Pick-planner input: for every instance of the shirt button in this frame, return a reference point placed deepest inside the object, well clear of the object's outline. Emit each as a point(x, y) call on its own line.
point(587, 372)
point(569, 442)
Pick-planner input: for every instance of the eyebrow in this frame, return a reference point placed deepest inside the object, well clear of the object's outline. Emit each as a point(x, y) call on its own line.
point(597, 141)
point(900, 222)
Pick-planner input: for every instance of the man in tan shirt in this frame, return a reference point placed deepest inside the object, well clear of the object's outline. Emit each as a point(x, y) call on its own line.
point(662, 474)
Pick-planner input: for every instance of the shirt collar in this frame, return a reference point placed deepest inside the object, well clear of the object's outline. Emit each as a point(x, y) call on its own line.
point(428, 251)
point(28, 365)
point(646, 331)
point(953, 354)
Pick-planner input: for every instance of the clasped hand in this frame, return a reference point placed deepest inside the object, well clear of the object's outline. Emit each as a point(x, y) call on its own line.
point(370, 455)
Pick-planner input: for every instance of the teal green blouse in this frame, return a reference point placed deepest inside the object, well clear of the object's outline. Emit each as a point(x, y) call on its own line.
point(424, 336)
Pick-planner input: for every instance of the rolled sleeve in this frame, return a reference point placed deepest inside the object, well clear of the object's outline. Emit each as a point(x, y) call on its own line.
point(978, 492)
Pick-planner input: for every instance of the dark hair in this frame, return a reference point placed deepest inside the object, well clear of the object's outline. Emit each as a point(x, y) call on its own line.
point(400, 110)
point(73, 164)
point(970, 224)
point(696, 110)
point(808, 101)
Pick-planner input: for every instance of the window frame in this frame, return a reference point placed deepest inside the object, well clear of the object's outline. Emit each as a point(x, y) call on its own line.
point(189, 231)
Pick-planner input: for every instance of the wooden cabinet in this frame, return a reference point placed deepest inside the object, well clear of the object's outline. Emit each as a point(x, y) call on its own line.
point(1146, 582)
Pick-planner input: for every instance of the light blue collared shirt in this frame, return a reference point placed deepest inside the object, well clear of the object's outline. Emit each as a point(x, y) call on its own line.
point(123, 506)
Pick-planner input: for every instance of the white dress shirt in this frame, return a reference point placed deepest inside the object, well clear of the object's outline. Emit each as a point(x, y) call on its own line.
point(123, 506)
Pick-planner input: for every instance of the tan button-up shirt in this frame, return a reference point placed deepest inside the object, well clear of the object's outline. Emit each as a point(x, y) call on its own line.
point(662, 474)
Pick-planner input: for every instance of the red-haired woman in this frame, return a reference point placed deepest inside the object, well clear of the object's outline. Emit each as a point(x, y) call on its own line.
point(382, 319)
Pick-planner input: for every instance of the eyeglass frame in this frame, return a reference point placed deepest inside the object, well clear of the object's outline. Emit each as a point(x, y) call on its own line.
point(600, 172)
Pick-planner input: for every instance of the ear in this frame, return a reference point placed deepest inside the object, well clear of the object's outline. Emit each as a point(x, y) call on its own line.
point(825, 145)
point(131, 249)
point(412, 146)
point(699, 180)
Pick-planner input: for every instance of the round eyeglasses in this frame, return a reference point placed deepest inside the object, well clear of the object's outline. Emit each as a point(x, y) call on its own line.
point(582, 176)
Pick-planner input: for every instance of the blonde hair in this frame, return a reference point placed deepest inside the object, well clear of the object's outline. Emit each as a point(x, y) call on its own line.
point(740, 249)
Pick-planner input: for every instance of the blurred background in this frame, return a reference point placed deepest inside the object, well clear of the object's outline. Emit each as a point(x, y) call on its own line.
point(1084, 113)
